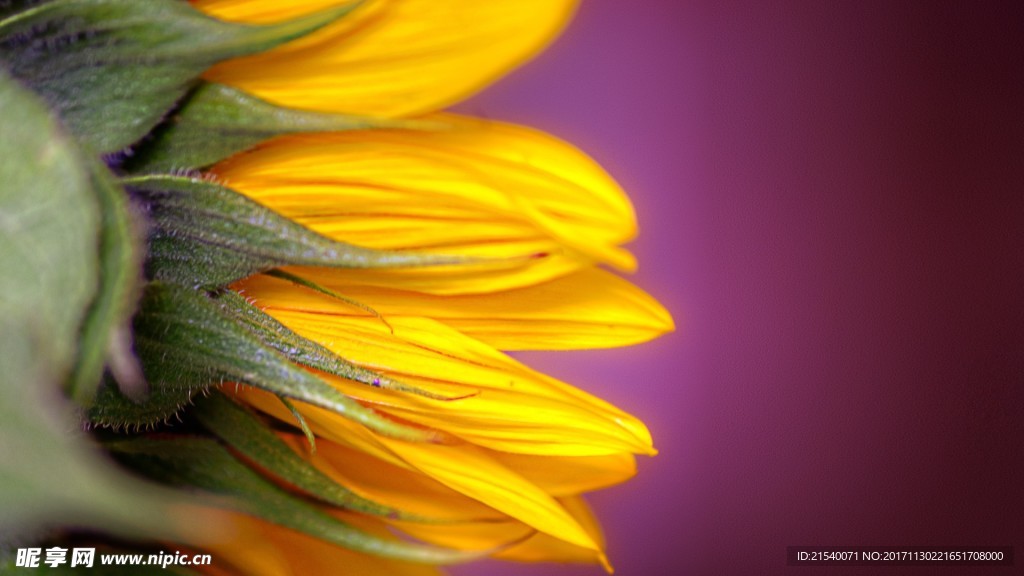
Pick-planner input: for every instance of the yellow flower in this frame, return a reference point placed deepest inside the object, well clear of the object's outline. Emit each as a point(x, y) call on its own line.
point(536, 218)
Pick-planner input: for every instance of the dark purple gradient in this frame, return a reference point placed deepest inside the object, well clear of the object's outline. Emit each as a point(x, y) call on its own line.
point(832, 205)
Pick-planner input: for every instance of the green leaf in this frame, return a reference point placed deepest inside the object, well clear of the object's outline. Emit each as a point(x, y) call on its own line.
point(49, 251)
point(203, 463)
point(203, 234)
point(188, 341)
point(215, 121)
point(106, 331)
point(113, 69)
point(245, 433)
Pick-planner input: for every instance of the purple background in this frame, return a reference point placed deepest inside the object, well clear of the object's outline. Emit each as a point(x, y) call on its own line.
point(831, 205)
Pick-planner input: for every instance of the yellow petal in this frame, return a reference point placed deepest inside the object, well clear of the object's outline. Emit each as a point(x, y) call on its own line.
point(390, 57)
point(502, 404)
point(398, 486)
point(462, 467)
point(268, 11)
point(533, 546)
point(468, 525)
point(545, 548)
point(570, 475)
point(532, 205)
point(392, 484)
point(453, 280)
point(591, 308)
point(471, 535)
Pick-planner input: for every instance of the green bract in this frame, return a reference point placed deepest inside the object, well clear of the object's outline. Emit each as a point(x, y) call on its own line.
point(112, 69)
point(215, 121)
point(203, 234)
point(245, 433)
point(188, 341)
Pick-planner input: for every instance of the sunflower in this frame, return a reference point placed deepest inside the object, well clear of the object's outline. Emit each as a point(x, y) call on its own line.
point(334, 269)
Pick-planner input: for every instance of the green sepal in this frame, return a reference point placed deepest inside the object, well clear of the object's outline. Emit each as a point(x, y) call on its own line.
point(203, 234)
point(307, 352)
point(243, 432)
point(113, 69)
point(106, 335)
point(202, 463)
point(113, 409)
point(216, 121)
point(187, 340)
point(301, 421)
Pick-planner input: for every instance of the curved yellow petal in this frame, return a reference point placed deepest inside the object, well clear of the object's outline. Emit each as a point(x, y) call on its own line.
point(270, 11)
point(567, 476)
point(587, 309)
point(532, 546)
point(466, 523)
point(533, 206)
point(399, 486)
point(545, 548)
point(461, 467)
point(390, 57)
point(471, 535)
point(392, 484)
point(502, 404)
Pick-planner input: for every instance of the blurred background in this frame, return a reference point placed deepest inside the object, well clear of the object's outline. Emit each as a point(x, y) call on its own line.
point(831, 203)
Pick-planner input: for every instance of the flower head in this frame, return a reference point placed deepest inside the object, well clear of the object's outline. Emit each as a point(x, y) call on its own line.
point(346, 265)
